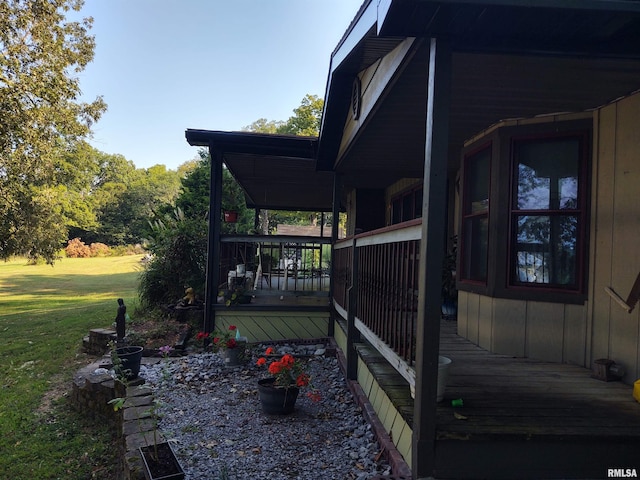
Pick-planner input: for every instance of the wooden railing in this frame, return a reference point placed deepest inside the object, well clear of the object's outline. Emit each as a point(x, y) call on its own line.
point(275, 263)
point(385, 285)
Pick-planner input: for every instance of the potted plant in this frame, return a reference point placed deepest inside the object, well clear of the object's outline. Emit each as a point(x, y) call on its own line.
point(159, 459)
point(237, 296)
point(278, 393)
point(230, 343)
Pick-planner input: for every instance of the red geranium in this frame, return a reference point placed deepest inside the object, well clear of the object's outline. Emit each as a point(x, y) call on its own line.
point(226, 338)
point(289, 372)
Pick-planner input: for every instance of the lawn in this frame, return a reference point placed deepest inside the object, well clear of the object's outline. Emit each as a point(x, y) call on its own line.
point(44, 313)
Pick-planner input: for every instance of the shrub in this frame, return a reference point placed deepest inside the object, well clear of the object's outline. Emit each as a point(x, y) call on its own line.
point(77, 249)
point(179, 261)
point(99, 250)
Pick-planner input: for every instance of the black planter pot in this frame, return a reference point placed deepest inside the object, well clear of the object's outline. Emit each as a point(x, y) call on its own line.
point(130, 358)
point(276, 400)
point(163, 467)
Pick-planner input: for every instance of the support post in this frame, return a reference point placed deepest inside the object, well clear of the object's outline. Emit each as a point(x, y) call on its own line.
point(431, 257)
point(353, 336)
point(213, 239)
point(335, 222)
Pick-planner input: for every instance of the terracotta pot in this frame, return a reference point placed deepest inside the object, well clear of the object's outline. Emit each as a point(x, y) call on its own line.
point(276, 400)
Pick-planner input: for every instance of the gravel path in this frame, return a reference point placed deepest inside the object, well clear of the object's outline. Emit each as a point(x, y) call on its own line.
point(213, 414)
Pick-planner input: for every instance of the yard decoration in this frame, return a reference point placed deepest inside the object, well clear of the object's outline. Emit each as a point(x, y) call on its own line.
point(278, 393)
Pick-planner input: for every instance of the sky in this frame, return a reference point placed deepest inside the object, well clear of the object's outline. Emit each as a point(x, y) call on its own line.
point(163, 66)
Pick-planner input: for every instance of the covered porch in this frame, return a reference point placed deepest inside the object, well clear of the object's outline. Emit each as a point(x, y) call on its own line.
point(519, 418)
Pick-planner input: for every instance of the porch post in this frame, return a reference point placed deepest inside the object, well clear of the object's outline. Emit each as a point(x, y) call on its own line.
point(353, 336)
point(213, 239)
point(431, 257)
point(335, 222)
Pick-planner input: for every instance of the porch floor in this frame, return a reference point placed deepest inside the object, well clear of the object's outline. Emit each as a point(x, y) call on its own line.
point(524, 418)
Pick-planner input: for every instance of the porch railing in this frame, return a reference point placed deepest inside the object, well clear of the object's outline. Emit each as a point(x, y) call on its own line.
point(385, 283)
point(273, 263)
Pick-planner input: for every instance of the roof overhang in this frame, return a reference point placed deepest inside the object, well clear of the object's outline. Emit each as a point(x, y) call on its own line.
point(275, 171)
point(511, 59)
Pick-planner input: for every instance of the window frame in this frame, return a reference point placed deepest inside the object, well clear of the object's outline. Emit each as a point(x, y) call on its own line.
point(500, 229)
point(467, 215)
point(580, 212)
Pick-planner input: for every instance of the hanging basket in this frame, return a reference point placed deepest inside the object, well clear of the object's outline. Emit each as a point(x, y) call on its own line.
point(231, 216)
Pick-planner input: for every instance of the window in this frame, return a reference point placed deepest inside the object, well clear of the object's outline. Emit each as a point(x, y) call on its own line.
point(548, 212)
point(524, 212)
point(475, 216)
point(406, 206)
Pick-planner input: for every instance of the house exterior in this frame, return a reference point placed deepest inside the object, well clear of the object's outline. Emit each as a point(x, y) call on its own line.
point(502, 134)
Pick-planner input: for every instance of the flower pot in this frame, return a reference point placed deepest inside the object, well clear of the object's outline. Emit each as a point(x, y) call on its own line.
point(130, 358)
point(230, 216)
point(276, 400)
point(443, 375)
point(163, 467)
point(231, 357)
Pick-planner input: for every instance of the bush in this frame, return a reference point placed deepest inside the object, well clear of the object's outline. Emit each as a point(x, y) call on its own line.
point(179, 261)
point(77, 249)
point(99, 250)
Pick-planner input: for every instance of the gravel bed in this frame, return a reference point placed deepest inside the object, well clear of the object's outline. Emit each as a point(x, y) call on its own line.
point(212, 414)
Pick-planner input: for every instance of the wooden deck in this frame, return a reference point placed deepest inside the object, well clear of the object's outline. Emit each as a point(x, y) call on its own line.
point(530, 419)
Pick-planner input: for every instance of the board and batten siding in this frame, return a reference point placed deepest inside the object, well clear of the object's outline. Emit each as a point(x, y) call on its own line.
point(615, 234)
point(266, 326)
point(600, 328)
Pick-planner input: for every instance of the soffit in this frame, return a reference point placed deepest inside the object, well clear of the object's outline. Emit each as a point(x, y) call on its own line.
point(512, 59)
point(275, 171)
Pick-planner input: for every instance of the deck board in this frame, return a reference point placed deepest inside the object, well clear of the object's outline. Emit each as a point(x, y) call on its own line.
point(536, 410)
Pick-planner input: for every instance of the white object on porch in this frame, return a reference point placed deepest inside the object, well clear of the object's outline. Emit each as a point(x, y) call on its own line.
point(235, 279)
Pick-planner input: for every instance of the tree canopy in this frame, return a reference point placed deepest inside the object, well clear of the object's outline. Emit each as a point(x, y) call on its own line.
point(41, 53)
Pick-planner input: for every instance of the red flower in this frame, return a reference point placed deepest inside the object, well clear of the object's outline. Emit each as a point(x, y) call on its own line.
point(202, 335)
point(314, 396)
point(261, 361)
point(287, 360)
point(302, 380)
point(275, 368)
point(269, 351)
point(231, 343)
point(232, 327)
point(216, 339)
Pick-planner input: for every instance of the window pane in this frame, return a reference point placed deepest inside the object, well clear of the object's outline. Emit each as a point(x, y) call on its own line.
point(418, 203)
point(396, 211)
point(407, 207)
point(477, 178)
point(475, 247)
point(546, 249)
point(547, 174)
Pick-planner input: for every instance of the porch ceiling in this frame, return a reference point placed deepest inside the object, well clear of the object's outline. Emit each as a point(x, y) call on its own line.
point(510, 60)
point(276, 171)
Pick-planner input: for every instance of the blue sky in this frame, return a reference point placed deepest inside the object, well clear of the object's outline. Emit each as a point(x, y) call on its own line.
point(164, 66)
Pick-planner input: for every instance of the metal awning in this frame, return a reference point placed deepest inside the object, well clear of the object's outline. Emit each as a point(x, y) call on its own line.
point(275, 171)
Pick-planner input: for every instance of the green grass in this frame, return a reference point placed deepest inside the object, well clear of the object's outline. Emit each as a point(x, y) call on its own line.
point(44, 314)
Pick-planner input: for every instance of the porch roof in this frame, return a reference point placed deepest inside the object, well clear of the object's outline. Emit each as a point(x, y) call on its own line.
point(511, 59)
point(275, 171)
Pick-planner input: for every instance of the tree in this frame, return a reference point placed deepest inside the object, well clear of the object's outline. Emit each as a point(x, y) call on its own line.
point(305, 122)
point(40, 54)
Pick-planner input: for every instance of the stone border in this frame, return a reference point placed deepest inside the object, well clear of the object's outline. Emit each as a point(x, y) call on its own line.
point(92, 392)
point(90, 395)
point(400, 469)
